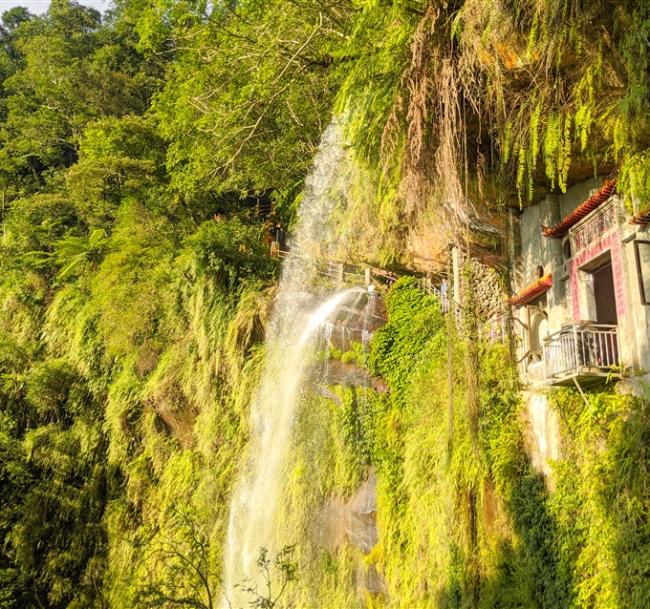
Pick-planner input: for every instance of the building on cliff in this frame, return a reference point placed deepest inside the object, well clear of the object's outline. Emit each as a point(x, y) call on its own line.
point(581, 308)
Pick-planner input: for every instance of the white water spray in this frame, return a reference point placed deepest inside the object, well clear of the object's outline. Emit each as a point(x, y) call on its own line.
point(295, 326)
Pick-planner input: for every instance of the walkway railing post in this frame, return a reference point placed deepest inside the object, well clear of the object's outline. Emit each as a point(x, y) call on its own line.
point(340, 270)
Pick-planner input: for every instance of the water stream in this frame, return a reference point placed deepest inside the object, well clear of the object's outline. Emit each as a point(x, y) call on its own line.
point(297, 322)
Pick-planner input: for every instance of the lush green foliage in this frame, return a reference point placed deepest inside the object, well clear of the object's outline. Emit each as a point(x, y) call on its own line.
point(465, 523)
point(135, 287)
point(456, 104)
point(118, 296)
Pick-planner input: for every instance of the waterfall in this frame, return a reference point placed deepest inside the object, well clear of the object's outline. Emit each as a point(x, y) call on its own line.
point(297, 321)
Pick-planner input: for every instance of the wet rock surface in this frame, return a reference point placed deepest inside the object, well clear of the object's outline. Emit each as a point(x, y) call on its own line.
point(353, 522)
point(353, 375)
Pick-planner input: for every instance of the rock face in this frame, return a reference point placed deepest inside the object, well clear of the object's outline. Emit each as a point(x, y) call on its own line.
point(352, 375)
point(543, 438)
point(354, 522)
point(488, 288)
point(359, 322)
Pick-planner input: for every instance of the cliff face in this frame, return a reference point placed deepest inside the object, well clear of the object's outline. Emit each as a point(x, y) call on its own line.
point(149, 159)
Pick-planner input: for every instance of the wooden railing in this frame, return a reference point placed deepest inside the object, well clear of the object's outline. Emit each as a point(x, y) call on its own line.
point(355, 274)
point(581, 349)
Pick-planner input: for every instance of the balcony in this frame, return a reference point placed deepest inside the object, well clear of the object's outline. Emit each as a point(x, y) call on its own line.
point(582, 352)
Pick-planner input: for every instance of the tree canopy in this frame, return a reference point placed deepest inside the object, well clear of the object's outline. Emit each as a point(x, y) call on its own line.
point(135, 280)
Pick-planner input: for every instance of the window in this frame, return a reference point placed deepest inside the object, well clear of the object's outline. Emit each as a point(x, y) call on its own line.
point(643, 269)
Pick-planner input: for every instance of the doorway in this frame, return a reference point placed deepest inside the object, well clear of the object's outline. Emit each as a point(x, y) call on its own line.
point(604, 295)
point(599, 347)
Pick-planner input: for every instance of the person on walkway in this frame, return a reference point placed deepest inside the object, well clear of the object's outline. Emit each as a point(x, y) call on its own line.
point(444, 298)
point(280, 236)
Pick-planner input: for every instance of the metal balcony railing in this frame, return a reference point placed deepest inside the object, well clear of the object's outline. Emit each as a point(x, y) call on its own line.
point(581, 350)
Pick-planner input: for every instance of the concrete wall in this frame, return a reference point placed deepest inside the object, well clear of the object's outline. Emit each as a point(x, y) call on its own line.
point(537, 250)
point(635, 332)
point(577, 194)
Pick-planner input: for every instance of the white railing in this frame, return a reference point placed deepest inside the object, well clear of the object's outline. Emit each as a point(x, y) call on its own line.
point(581, 349)
point(439, 292)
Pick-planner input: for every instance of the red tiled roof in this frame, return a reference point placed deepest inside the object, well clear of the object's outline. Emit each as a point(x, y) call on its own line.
point(642, 218)
point(586, 207)
point(532, 291)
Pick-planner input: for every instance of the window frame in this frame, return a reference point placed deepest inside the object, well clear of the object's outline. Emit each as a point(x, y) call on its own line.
point(645, 298)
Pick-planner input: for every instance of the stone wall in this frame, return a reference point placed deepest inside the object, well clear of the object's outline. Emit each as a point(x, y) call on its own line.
point(488, 288)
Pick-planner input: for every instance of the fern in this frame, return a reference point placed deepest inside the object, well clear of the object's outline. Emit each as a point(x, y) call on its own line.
point(522, 164)
point(564, 154)
point(552, 144)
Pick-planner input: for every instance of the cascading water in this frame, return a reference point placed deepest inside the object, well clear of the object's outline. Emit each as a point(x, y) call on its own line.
point(295, 327)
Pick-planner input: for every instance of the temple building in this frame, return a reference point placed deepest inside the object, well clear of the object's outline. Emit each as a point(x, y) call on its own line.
point(582, 280)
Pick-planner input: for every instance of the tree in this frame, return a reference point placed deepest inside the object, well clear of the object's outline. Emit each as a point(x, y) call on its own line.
point(256, 126)
point(276, 575)
point(73, 70)
point(179, 570)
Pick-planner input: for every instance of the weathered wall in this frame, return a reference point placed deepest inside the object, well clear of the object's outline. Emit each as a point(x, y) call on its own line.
point(538, 251)
point(487, 287)
point(635, 333)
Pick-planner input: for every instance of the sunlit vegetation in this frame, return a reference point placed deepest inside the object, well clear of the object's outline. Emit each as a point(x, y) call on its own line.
point(135, 288)
point(464, 519)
